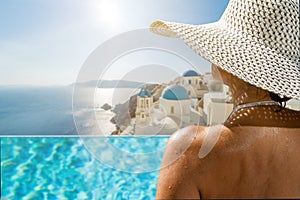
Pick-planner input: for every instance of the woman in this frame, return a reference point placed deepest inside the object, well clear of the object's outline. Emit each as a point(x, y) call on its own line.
point(254, 49)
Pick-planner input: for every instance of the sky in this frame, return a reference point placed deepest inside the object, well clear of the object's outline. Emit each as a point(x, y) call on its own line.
point(47, 42)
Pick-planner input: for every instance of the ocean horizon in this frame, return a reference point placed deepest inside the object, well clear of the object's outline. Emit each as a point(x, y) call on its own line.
point(47, 110)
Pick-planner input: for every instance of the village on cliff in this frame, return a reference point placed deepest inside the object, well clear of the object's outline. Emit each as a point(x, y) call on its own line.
point(191, 99)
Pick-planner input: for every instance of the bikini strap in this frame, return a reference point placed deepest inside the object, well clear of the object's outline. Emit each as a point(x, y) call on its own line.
point(247, 105)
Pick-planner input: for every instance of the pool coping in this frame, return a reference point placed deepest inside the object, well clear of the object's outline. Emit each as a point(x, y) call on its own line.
point(77, 136)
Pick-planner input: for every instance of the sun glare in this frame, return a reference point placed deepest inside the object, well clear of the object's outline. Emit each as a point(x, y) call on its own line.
point(109, 12)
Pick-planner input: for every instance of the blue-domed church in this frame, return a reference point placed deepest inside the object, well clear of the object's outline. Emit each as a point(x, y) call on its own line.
point(192, 82)
point(175, 101)
point(144, 106)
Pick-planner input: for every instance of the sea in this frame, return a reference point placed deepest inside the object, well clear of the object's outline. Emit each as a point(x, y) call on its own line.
point(47, 110)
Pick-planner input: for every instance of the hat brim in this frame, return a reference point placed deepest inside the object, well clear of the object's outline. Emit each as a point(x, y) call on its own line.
point(238, 54)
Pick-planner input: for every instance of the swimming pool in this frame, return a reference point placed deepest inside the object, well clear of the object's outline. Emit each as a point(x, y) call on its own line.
point(64, 168)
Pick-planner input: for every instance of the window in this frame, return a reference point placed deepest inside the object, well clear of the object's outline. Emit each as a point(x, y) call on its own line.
point(143, 116)
point(142, 103)
point(196, 81)
point(190, 82)
point(147, 102)
point(172, 109)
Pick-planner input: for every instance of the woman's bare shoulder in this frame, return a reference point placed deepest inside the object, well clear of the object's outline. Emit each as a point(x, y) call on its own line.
point(196, 142)
point(182, 166)
point(197, 136)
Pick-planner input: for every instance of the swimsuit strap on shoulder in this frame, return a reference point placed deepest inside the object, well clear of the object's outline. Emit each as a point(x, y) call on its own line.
point(247, 105)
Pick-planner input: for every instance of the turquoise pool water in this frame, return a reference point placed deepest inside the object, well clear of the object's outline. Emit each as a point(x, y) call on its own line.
point(64, 168)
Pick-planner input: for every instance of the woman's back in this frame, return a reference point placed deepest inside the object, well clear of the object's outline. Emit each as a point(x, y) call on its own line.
point(246, 162)
point(253, 162)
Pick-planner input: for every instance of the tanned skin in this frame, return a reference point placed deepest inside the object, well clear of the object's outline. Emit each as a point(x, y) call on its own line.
point(256, 156)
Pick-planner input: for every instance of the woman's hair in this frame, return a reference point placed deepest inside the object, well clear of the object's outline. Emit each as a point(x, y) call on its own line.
point(281, 100)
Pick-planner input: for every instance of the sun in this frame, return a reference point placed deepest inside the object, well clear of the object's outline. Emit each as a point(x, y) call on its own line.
point(109, 12)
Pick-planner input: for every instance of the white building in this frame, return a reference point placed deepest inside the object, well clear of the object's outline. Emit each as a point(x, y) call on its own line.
point(191, 81)
point(175, 102)
point(179, 105)
point(152, 119)
point(144, 107)
point(206, 78)
point(216, 103)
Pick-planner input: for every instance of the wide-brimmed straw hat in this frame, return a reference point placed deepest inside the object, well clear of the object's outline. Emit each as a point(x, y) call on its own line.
point(255, 40)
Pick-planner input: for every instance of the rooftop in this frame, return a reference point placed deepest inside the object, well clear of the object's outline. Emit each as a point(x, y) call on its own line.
point(190, 73)
point(144, 93)
point(175, 92)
